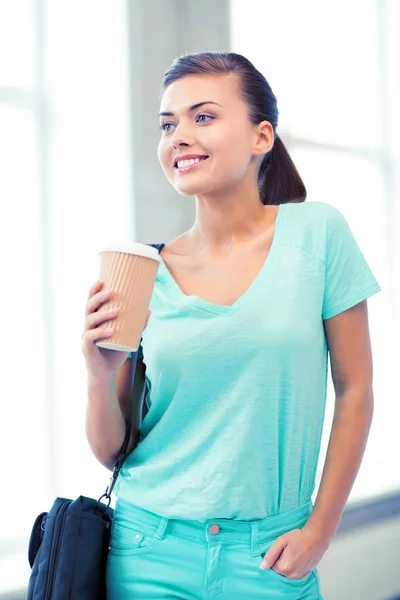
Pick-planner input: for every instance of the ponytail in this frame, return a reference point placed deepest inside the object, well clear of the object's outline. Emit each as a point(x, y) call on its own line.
point(279, 181)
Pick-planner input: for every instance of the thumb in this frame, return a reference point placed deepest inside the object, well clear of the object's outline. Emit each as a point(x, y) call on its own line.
point(272, 554)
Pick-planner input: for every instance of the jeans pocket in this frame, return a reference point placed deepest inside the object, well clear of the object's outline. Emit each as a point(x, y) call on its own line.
point(264, 547)
point(128, 538)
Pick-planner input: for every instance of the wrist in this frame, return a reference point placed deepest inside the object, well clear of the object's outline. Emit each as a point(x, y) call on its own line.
point(104, 382)
point(319, 531)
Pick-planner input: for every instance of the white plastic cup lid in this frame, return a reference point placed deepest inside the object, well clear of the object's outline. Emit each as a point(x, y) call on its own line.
point(132, 248)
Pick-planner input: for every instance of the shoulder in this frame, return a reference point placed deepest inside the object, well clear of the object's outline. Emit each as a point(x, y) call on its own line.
point(314, 212)
point(176, 254)
point(318, 219)
point(177, 246)
point(309, 226)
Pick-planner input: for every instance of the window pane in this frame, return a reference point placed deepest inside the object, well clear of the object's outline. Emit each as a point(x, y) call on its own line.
point(260, 39)
point(393, 127)
point(17, 43)
point(333, 77)
point(393, 91)
point(23, 422)
point(321, 60)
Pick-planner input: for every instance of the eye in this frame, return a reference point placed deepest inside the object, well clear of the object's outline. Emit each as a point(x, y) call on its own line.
point(164, 126)
point(206, 116)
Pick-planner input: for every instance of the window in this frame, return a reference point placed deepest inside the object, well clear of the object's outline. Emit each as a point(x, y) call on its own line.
point(65, 188)
point(334, 71)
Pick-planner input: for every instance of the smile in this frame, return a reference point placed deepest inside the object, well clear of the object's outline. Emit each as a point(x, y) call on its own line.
point(188, 165)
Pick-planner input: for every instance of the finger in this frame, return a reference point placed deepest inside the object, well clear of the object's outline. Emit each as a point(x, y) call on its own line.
point(97, 300)
point(94, 289)
point(94, 319)
point(94, 334)
point(273, 553)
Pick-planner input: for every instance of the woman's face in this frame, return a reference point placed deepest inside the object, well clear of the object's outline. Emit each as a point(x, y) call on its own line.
point(219, 130)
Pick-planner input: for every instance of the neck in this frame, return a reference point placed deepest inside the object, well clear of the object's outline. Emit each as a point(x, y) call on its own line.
point(225, 222)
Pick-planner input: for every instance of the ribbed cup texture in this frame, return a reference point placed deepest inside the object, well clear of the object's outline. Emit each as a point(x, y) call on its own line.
point(131, 278)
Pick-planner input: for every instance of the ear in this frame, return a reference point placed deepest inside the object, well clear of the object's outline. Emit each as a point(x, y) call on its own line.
point(264, 138)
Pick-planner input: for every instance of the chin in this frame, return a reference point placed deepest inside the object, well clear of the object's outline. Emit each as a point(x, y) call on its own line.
point(191, 190)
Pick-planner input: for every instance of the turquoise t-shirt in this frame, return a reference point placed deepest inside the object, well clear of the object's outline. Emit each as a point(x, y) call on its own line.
point(237, 393)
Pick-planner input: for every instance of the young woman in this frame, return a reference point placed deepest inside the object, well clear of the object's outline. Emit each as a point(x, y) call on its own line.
point(245, 307)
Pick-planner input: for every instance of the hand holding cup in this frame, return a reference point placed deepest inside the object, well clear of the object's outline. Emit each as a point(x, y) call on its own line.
point(101, 363)
point(128, 272)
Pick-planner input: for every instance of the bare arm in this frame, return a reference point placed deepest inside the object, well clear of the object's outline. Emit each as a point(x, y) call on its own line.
point(107, 411)
point(352, 373)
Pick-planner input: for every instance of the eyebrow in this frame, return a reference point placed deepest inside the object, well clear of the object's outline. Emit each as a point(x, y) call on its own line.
point(191, 108)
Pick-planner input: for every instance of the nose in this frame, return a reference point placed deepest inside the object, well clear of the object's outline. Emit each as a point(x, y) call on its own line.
point(181, 136)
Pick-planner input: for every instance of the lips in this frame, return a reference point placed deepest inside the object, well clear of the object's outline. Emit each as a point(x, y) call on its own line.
point(189, 157)
point(190, 167)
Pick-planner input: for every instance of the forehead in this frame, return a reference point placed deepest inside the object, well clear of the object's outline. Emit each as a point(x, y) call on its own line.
point(191, 89)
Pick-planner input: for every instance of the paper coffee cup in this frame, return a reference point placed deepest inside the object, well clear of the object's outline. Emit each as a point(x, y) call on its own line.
point(129, 270)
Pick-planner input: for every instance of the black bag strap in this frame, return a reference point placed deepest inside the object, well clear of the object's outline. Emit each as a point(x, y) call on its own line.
point(136, 383)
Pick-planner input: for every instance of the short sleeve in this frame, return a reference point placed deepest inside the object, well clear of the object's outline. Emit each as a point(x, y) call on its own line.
point(348, 277)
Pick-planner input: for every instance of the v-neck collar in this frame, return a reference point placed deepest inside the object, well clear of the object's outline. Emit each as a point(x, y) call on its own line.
point(200, 303)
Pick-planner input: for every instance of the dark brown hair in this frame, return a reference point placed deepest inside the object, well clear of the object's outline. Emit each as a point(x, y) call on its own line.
point(278, 179)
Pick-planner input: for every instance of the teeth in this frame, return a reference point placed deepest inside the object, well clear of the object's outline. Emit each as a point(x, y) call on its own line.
point(186, 163)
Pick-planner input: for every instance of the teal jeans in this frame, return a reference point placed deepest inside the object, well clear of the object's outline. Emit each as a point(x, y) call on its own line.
point(157, 558)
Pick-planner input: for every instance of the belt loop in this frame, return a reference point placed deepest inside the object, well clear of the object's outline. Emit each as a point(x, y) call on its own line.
point(162, 527)
point(254, 538)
